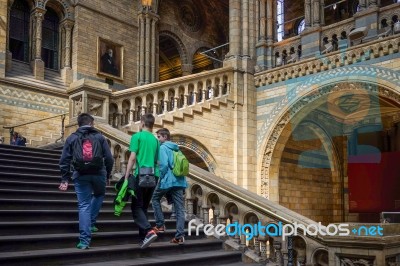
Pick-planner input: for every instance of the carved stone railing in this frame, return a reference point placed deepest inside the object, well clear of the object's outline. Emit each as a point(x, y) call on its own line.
point(388, 12)
point(351, 55)
point(161, 98)
point(337, 29)
point(214, 200)
point(287, 51)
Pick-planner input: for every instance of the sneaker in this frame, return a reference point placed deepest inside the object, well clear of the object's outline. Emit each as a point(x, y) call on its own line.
point(178, 241)
point(150, 237)
point(94, 229)
point(82, 246)
point(160, 229)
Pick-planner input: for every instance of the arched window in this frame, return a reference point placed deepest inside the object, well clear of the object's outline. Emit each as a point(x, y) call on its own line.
point(19, 31)
point(301, 26)
point(280, 19)
point(50, 39)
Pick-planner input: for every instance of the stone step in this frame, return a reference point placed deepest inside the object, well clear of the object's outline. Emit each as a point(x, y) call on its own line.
point(23, 157)
point(12, 163)
point(34, 185)
point(217, 257)
point(31, 170)
point(68, 256)
point(48, 204)
point(9, 176)
point(48, 194)
point(27, 150)
point(68, 240)
point(61, 227)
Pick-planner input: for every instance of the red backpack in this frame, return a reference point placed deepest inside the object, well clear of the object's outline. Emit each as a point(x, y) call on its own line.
point(87, 153)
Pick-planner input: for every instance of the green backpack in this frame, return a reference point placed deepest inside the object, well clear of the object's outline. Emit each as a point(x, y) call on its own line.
point(181, 164)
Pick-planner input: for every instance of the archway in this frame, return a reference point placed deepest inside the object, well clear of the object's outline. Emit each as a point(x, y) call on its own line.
point(171, 57)
point(196, 153)
point(337, 108)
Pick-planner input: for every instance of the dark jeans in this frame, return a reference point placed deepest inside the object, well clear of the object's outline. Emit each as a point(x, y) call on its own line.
point(90, 190)
point(139, 207)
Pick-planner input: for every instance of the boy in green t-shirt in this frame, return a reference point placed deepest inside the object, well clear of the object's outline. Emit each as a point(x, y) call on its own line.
point(144, 148)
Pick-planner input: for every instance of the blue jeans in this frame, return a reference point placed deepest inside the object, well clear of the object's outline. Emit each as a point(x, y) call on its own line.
point(88, 204)
point(177, 199)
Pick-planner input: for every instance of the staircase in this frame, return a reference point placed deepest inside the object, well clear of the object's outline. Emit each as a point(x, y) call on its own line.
point(171, 117)
point(21, 71)
point(39, 224)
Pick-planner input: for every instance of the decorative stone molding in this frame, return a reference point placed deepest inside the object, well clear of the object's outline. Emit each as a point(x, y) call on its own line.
point(189, 16)
point(180, 45)
point(321, 63)
point(198, 148)
point(88, 96)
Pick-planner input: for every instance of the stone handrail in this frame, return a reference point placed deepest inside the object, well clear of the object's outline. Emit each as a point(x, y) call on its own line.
point(171, 95)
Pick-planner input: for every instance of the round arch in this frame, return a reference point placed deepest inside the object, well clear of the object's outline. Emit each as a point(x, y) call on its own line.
point(381, 82)
point(199, 149)
point(179, 44)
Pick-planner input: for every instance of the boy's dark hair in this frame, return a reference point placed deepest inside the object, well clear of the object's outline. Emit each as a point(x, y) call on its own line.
point(148, 120)
point(164, 132)
point(85, 119)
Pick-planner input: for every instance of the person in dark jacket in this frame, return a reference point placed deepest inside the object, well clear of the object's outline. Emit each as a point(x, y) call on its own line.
point(90, 188)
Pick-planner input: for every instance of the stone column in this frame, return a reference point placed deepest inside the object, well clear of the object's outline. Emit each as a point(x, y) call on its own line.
point(155, 105)
point(147, 49)
point(322, 12)
point(189, 207)
point(206, 215)
point(307, 16)
point(363, 4)
point(5, 40)
point(186, 96)
point(66, 71)
point(235, 25)
point(372, 3)
point(154, 75)
point(316, 13)
point(37, 63)
point(187, 69)
point(147, 46)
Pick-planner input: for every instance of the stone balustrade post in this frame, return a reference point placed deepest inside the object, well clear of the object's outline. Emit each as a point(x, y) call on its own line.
point(206, 215)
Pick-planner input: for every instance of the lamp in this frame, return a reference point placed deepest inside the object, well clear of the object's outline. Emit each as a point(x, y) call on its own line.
point(146, 4)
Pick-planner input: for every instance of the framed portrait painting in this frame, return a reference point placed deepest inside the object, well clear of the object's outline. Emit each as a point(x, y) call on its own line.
point(110, 57)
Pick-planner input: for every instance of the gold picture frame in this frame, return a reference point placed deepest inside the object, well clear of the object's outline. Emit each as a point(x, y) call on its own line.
point(110, 59)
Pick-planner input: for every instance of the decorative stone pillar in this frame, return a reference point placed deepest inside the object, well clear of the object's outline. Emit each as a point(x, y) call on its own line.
point(307, 16)
point(187, 69)
point(189, 207)
point(363, 4)
point(165, 106)
point(372, 3)
point(278, 253)
point(206, 215)
point(316, 13)
point(8, 55)
point(147, 46)
point(66, 71)
point(37, 63)
point(322, 12)
point(155, 105)
point(88, 96)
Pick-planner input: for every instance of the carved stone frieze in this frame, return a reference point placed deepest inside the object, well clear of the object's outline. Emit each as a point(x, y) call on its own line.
point(95, 106)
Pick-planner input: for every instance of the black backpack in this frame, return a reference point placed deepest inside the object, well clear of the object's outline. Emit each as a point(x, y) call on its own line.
point(87, 153)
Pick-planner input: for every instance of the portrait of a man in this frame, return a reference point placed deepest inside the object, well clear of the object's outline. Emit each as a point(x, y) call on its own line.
point(110, 57)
